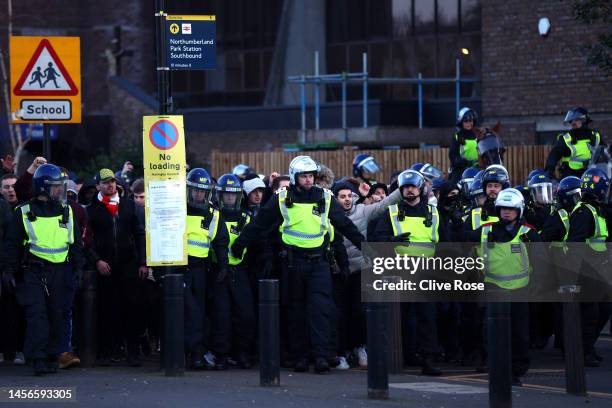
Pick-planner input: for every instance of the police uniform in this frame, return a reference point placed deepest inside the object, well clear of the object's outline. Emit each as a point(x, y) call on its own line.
point(508, 266)
point(44, 238)
point(422, 221)
point(302, 218)
point(573, 149)
point(205, 230)
point(463, 152)
point(587, 224)
point(233, 317)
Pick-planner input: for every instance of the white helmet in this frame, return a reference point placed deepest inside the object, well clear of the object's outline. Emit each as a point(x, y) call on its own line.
point(301, 164)
point(511, 198)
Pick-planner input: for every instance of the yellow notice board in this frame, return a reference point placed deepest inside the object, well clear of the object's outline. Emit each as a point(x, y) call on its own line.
point(45, 79)
point(163, 142)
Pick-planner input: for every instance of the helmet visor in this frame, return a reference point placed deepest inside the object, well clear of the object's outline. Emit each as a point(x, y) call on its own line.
point(542, 193)
point(57, 190)
point(229, 198)
point(574, 115)
point(431, 172)
point(489, 144)
point(198, 195)
point(464, 186)
point(369, 165)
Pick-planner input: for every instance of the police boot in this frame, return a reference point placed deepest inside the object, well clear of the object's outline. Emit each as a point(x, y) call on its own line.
point(52, 365)
point(244, 360)
point(196, 360)
point(591, 361)
point(221, 363)
point(39, 366)
point(321, 365)
point(429, 369)
point(301, 365)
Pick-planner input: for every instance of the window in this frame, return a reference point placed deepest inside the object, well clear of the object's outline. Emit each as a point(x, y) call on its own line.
point(401, 13)
point(422, 36)
point(448, 16)
point(470, 15)
point(424, 16)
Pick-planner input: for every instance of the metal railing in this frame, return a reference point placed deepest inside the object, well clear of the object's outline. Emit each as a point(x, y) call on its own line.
point(363, 77)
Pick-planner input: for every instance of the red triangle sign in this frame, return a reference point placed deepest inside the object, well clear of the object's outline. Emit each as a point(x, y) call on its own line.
point(41, 77)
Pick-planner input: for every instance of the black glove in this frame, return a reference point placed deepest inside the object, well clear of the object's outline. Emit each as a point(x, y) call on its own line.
point(237, 250)
point(222, 274)
point(405, 237)
point(8, 281)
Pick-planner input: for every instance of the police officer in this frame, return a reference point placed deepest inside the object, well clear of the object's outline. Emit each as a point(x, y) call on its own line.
point(509, 269)
point(204, 231)
point(464, 184)
point(574, 147)
point(540, 206)
point(463, 152)
point(233, 317)
point(45, 239)
point(417, 224)
point(587, 224)
point(555, 231)
point(365, 168)
point(302, 214)
point(494, 179)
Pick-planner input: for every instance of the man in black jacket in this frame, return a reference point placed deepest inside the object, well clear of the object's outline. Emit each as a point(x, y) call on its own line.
point(118, 252)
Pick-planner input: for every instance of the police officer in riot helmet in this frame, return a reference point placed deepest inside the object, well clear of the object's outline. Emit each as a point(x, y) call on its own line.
point(463, 152)
point(301, 214)
point(483, 193)
point(568, 194)
point(413, 220)
point(233, 317)
point(541, 194)
point(205, 232)
point(509, 265)
point(574, 147)
point(587, 224)
point(365, 168)
point(45, 239)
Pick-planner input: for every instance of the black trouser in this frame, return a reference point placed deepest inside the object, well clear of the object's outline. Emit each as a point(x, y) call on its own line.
point(421, 329)
point(233, 313)
point(12, 325)
point(196, 322)
point(42, 293)
point(120, 309)
point(306, 290)
point(471, 328)
point(349, 323)
point(448, 327)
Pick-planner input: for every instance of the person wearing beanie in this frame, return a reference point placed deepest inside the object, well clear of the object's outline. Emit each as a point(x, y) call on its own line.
point(253, 189)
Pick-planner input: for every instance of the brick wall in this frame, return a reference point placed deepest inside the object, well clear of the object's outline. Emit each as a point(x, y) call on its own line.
point(526, 74)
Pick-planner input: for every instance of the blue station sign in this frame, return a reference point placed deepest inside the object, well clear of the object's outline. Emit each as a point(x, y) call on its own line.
point(191, 42)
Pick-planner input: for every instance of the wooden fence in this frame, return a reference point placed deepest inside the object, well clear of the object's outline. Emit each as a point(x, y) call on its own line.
point(519, 160)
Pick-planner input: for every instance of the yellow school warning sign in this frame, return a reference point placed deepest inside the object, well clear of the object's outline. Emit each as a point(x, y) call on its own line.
point(45, 79)
point(163, 141)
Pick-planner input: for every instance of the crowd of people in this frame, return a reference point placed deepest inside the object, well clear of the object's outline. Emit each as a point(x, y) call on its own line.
point(305, 228)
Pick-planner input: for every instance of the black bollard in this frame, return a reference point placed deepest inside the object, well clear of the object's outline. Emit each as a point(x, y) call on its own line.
point(174, 326)
point(395, 355)
point(269, 333)
point(378, 375)
point(575, 379)
point(500, 357)
point(88, 319)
